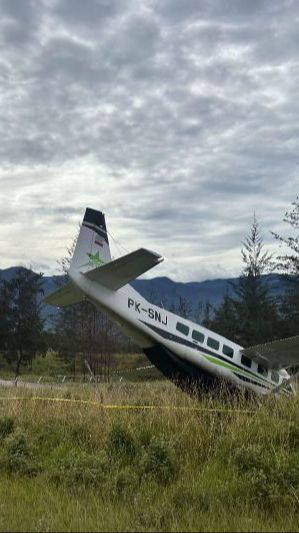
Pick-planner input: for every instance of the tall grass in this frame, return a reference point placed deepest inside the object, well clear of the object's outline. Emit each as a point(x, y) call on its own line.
point(222, 463)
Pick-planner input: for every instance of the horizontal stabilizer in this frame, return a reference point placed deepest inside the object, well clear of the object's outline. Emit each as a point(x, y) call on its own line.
point(67, 295)
point(283, 353)
point(119, 272)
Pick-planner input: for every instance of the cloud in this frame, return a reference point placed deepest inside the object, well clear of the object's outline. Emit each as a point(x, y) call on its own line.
point(178, 119)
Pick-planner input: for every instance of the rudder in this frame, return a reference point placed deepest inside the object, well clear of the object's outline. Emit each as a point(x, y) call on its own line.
point(92, 249)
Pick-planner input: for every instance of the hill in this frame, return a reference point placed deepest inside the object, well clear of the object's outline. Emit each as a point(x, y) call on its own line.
point(165, 292)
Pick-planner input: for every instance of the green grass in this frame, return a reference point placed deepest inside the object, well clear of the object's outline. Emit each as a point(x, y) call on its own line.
point(50, 368)
point(71, 466)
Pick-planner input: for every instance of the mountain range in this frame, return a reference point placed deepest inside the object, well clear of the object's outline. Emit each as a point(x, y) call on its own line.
point(165, 292)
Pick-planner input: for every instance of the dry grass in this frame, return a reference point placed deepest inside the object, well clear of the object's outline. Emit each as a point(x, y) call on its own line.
point(212, 464)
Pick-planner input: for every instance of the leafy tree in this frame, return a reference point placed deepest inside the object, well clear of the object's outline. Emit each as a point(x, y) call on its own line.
point(21, 317)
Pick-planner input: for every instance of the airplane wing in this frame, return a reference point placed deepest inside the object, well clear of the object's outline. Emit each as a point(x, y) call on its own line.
point(119, 272)
point(283, 353)
point(66, 295)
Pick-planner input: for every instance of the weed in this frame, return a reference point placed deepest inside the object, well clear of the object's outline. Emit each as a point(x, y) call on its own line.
point(189, 498)
point(80, 433)
point(126, 482)
point(163, 470)
point(155, 518)
point(294, 435)
point(250, 457)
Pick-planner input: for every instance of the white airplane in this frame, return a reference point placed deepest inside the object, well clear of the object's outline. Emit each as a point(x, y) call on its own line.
point(185, 352)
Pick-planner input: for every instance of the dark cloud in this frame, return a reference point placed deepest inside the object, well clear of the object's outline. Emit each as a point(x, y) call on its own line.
point(91, 15)
point(20, 22)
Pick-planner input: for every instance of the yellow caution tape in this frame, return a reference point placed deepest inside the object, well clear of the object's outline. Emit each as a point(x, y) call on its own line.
point(126, 407)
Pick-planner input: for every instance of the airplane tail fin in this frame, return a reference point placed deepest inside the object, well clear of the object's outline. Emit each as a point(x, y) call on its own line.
point(93, 259)
point(92, 249)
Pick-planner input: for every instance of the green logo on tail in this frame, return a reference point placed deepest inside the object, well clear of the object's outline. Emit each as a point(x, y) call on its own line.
point(94, 261)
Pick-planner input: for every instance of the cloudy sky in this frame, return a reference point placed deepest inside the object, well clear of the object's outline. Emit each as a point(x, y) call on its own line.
point(177, 118)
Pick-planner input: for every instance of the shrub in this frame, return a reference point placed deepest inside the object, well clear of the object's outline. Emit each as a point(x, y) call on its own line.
point(121, 443)
point(289, 472)
point(80, 469)
point(17, 456)
point(6, 426)
point(250, 457)
point(49, 364)
point(51, 434)
point(159, 462)
point(268, 477)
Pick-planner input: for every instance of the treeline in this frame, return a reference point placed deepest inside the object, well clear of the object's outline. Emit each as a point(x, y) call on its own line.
point(21, 324)
point(82, 335)
point(250, 314)
point(79, 334)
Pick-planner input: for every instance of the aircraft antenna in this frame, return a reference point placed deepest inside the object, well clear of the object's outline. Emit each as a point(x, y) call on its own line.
point(118, 244)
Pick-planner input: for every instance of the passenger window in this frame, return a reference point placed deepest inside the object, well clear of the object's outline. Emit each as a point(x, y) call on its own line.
point(275, 377)
point(197, 336)
point(246, 361)
point(262, 370)
point(213, 343)
point(182, 328)
point(227, 351)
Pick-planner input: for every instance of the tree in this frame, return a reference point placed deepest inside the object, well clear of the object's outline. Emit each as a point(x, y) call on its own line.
point(207, 315)
point(249, 316)
point(84, 333)
point(224, 320)
point(289, 265)
point(4, 315)
point(183, 308)
point(255, 308)
point(20, 304)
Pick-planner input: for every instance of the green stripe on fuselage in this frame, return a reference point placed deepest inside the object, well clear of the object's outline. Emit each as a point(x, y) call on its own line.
point(232, 368)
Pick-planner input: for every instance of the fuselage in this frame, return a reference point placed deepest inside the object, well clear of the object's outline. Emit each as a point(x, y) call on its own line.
point(183, 350)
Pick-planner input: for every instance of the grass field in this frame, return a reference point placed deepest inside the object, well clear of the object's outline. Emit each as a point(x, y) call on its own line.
point(211, 464)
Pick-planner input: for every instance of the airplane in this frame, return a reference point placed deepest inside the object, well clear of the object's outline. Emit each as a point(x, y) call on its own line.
point(185, 352)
